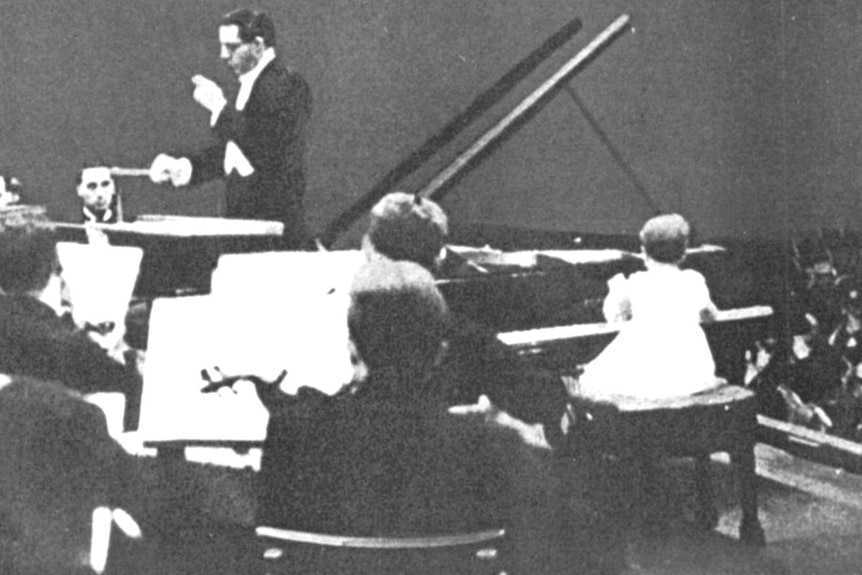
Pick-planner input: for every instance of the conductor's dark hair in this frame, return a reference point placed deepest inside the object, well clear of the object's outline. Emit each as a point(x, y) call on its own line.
point(251, 24)
point(28, 250)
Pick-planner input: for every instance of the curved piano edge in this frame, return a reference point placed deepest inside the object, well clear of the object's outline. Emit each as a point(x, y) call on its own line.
point(532, 338)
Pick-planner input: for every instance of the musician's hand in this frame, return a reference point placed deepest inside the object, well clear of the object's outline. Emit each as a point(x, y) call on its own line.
point(491, 415)
point(109, 336)
point(483, 409)
point(208, 94)
point(268, 391)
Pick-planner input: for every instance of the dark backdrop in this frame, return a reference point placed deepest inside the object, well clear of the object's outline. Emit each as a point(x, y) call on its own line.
point(742, 115)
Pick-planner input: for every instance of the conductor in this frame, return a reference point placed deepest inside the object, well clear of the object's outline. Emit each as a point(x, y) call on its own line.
point(261, 136)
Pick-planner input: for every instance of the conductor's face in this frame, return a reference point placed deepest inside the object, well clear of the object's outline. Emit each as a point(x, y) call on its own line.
point(239, 56)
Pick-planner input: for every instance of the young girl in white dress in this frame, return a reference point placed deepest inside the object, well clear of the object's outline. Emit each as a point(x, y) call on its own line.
point(661, 350)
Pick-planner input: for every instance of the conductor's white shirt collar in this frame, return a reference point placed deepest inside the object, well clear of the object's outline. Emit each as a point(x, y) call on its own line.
point(247, 80)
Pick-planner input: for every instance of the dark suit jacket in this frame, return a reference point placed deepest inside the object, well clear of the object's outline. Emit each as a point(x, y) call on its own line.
point(368, 467)
point(270, 132)
point(59, 463)
point(360, 465)
point(36, 343)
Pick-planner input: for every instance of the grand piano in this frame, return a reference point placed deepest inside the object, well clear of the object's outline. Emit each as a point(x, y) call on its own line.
point(509, 279)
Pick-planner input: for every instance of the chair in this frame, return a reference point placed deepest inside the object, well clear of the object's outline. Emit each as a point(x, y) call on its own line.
point(639, 432)
point(288, 552)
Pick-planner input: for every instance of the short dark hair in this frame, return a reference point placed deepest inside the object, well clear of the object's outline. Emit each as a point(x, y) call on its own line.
point(251, 24)
point(28, 250)
point(408, 227)
point(397, 316)
point(665, 238)
point(87, 164)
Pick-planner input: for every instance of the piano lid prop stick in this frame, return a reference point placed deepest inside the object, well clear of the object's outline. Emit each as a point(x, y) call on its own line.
point(436, 188)
point(130, 172)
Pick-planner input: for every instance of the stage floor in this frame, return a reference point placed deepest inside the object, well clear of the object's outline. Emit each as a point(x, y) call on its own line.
point(812, 516)
point(811, 513)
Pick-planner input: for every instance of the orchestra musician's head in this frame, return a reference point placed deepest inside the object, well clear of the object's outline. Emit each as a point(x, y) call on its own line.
point(29, 265)
point(10, 191)
point(407, 227)
point(665, 238)
point(244, 35)
point(397, 321)
point(96, 187)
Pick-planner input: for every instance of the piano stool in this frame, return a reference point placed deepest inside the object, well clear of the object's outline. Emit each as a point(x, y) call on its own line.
point(639, 432)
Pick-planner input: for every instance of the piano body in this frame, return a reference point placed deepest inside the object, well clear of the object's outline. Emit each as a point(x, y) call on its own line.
point(529, 279)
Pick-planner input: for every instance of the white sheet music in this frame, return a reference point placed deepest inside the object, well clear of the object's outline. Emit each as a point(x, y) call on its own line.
point(291, 309)
point(267, 312)
point(186, 336)
point(100, 279)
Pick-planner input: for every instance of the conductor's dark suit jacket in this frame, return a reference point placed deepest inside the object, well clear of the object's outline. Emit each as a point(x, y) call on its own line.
point(270, 131)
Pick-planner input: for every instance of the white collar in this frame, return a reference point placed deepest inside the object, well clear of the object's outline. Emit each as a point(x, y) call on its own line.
point(246, 81)
point(92, 216)
point(250, 76)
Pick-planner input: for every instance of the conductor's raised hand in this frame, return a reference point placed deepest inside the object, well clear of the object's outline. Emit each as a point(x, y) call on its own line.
point(208, 94)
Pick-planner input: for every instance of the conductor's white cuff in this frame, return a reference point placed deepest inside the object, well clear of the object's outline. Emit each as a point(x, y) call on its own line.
point(215, 112)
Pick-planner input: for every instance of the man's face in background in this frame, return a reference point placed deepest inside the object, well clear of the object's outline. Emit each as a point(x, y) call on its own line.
point(97, 188)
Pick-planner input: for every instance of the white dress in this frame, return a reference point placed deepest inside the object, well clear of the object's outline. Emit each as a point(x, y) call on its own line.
point(662, 350)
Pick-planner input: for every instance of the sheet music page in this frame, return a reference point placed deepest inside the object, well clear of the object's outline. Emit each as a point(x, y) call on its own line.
point(100, 279)
point(185, 337)
point(267, 312)
point(291, 309)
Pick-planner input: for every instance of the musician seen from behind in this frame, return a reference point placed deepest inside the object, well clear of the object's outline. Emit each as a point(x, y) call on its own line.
point(37, 335)
point(59, 465)
point(97, 190)
point(661, 350)
point(405, 227)
point(261, 135)
point(388, 457)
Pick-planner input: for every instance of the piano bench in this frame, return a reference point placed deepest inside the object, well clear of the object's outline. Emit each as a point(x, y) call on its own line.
point(639, 432)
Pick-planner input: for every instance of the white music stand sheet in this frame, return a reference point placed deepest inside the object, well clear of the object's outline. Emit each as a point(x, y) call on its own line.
point(100, 279)
point(291, 309)
point(267, 312)
point(186, 336)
